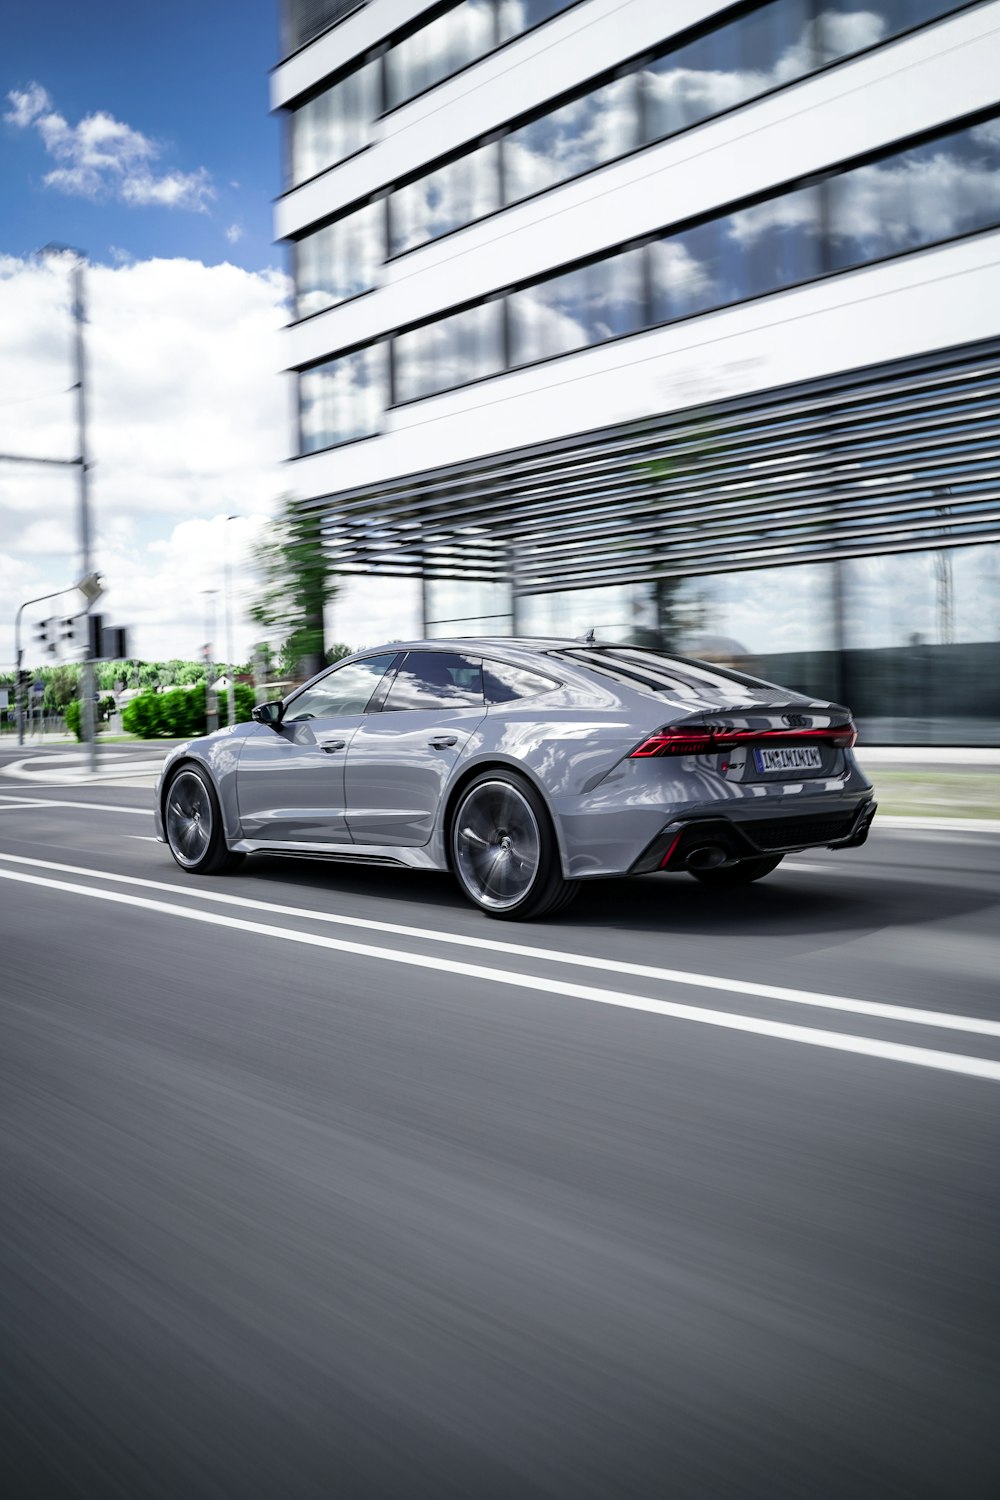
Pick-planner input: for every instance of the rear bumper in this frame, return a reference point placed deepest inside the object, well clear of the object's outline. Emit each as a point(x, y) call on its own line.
point(745, 838)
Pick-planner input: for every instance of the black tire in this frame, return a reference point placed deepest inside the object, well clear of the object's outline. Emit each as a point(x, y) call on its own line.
point(503, 849)
point(192, 824)
point(753, 868)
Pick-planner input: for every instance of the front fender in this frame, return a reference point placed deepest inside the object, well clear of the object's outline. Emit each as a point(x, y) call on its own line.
point(218, 756)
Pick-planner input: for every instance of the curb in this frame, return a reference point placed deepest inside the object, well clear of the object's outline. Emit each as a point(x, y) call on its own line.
point(899, 822)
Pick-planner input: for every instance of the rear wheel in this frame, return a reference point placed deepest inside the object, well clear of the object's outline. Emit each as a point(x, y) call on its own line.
point(753, 868)
point(503, 849)
point(192, 822)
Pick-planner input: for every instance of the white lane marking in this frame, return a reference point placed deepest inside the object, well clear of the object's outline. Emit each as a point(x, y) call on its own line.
point(903, 823)
point(923, 1057)
point(25, 802)
point(944, 1020)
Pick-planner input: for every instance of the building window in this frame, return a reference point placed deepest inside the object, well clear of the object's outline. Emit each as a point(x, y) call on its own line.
point(334, 124)
point(339, 261)
point(582, 307)
point(517, 16)
point(301, 20)
point(466, 189)
point(453, 351)
point(777, 43)
point(593, 129)
point(440, 48)
point(917, 197)
point(342, 399)
point(740, 255)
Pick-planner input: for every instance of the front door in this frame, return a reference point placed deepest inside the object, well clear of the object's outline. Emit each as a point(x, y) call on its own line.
point(290, 783)
point(400, 760)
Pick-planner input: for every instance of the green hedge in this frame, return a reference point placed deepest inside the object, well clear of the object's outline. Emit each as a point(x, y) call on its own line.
point(179, 713)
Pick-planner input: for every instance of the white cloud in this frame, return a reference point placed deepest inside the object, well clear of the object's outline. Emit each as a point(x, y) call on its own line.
point(101, 157)
point(234, 233)
point(189, 424)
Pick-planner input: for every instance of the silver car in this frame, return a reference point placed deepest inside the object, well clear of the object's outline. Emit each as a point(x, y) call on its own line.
point(523, 767)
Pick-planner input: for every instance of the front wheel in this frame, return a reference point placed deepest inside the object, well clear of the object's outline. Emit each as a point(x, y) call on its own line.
point(503, 849)
point(742, 873)
point(192, 822)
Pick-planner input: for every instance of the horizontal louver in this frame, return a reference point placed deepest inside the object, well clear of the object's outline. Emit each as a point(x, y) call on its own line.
point(890, 459)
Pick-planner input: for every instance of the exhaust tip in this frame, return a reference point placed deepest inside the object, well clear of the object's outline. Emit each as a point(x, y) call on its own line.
point(706, 857)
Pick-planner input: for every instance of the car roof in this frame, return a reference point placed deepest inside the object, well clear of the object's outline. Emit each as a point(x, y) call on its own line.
point(484, 644)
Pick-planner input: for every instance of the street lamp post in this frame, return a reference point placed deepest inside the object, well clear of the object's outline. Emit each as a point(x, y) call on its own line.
point(231, 692)
point(80, 463)
point(211, 712)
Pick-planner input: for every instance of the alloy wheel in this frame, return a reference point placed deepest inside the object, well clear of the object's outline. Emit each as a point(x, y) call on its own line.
point(189, 818)
point(497, 845)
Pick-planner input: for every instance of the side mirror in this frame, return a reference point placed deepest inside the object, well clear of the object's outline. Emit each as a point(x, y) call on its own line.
point(268, 713)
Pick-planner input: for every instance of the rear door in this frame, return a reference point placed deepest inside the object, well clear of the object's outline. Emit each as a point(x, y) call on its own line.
point(290, 783)
point(401, 758)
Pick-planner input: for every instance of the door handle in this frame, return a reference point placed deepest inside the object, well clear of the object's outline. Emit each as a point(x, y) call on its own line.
point(443, 741)
point(329, 745)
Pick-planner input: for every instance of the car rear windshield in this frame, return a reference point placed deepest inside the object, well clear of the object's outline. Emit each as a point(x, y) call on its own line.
point(674, 676)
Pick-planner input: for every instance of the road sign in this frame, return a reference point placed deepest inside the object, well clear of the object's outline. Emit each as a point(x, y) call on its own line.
point(38, 689)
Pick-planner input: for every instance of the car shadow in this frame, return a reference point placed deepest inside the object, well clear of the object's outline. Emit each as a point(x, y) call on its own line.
point(786, 902)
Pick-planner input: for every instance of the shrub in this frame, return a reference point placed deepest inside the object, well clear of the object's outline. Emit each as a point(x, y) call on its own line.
point(73, 714)
point(179, 713)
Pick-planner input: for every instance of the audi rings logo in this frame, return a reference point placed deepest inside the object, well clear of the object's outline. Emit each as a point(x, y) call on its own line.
point(796, 721)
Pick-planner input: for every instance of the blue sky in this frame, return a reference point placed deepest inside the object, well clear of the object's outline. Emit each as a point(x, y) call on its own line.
point(192, 79)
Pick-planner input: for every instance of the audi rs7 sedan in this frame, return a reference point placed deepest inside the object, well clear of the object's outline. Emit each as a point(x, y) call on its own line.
point(523, 767)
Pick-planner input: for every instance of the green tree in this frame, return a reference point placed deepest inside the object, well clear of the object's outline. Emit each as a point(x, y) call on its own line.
point(296, 584)
point(61, 685)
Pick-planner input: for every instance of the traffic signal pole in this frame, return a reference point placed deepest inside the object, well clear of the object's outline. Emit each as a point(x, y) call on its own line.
point(79, 359)
point(19, 695)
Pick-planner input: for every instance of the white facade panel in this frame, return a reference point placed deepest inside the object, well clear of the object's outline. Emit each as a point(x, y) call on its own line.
point(930, 300)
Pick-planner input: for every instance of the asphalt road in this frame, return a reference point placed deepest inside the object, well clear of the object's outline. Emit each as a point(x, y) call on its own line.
point(409, 1203)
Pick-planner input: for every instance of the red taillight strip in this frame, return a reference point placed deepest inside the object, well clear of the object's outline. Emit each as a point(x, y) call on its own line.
point(678, 740)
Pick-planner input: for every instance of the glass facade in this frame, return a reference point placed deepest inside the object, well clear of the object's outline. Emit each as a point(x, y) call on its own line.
point(440, 48)
point(301, 20)
point(469, 30)
point(599, 301)
point(343, 398)
point(334, 124)
point(339, 261)
point(909, 641)
point(450, 352)
point(917, 196)
point(583, 134)
point(773, 45)
point(456, 194)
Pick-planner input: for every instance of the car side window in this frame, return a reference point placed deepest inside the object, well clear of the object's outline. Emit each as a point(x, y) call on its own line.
point(436, 679)
point(344, 690)
point(503, 683)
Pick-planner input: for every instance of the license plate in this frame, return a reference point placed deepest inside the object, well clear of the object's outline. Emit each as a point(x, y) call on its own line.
point(791, 758)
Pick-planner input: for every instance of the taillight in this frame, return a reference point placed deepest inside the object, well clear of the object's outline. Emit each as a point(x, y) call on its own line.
point(695, 739)
point(675, 741)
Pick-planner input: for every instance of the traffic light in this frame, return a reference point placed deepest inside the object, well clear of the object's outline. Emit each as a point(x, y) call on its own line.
point(115, 643)
point(95, 630)
point(45, 636)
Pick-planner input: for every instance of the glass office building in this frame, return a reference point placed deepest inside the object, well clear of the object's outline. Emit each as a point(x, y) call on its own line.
point(679, 322)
